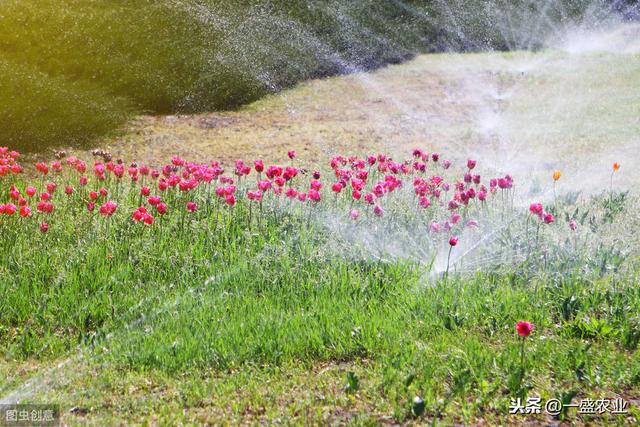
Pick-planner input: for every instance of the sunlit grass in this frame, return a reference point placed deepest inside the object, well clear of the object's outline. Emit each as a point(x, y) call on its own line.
point(74, 70)
point(230, 295)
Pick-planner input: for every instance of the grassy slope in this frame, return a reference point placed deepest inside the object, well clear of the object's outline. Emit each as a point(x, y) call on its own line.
point(73, 70)
point(229, 314)
point(526, 114)
point(450, 348)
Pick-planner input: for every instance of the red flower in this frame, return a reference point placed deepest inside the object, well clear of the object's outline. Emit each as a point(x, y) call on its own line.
point(453, 241)
point(44, 227)
point(536, 209)
point(524, 328)
point(108, 208)
point(42, 168)
point(25, 211)
point(192, 207)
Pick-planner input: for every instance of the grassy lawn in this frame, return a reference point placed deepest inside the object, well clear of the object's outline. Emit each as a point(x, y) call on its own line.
point(290, 312)
point(286, 310)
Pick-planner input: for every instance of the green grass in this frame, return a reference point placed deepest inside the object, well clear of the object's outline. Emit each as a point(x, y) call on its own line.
point(75, 70)
point(242, 305)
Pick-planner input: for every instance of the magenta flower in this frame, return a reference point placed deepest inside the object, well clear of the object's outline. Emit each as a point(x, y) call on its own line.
point(108, 208)
point(524, 328)
point(536, 209)
point(161, 208)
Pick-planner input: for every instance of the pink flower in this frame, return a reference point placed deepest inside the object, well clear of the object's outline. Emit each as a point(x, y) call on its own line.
point(44, 227)
point(230, 199)
point(573, 225)
point(536, 209)
point(68, 190)
point(177, 161)
point(44, 207)
point(354, 214)
point(108, 208)
point(138, 213)
point(453, 241)
point(291, 154)
point(455, 218)
point(314, 195)
point(42, 168)
point(161, 208)
point(424, 202)
point(471, 164)
point(378, 211)
point(145, 191)
point(31, 191)
point(91, 206)
point(316, 185)
point(258, 165)
point(336, 187)
point(291, 193)
point(264, 185)
point(435, 227)
point(524, 328)
point(25, 211)
point(10, 209)
point(472, 223)
point(192, 207)
point(548, 218)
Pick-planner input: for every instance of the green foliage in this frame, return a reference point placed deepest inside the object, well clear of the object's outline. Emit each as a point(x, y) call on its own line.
point(72, 70)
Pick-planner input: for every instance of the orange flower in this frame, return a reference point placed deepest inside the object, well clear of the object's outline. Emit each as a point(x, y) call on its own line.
point(556, 175)
point(616, 166)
